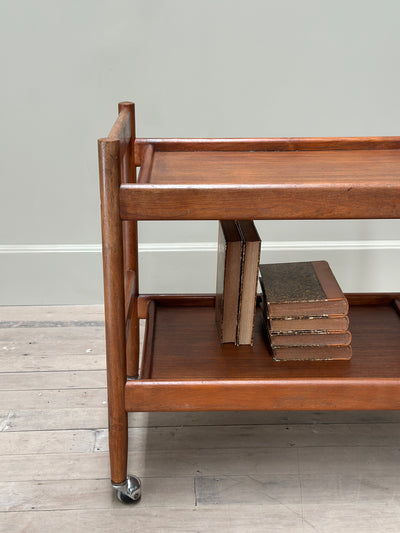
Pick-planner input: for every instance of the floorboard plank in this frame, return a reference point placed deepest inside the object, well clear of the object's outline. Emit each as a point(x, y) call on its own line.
point(254, 519)
point(48, 442)
point(77, 379)
point(51, 312)
point(53, 399)
point(52, 341)
point(91, 494)
point(51, 362)
point(145, 463)
point(169, 437)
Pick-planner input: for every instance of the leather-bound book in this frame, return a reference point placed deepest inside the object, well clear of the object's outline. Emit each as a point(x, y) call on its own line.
point(310, 339)
point(229, 264)
point(301, 289)
point(312, 353)
point(311, 324)
point(308, 324)
point(249, 279)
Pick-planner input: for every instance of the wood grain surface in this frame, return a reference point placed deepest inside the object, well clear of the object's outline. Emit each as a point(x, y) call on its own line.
point(114, 304)
point(277, 167)
point(188, 369)
point(186, 346)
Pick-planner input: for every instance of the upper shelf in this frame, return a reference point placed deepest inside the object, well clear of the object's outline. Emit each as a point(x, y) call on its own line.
point(266, 179)
point(277, 168)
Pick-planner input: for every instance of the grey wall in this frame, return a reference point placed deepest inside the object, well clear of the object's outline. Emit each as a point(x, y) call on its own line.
point(214, 68)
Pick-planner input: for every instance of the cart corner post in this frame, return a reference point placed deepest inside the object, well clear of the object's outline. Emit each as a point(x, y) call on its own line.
point(113, 268)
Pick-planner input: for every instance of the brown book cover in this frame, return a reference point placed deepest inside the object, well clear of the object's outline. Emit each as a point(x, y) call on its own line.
point(310, 339)
point(312, 353)
point(229, 263)
point(308, 324)
point(311, 324)
point(249, 279)
point(301, 289)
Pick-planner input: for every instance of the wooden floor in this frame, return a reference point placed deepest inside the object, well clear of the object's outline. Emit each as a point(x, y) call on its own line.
point(214, 472)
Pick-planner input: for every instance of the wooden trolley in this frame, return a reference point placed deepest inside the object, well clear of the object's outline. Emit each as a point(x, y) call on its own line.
point(184, 367)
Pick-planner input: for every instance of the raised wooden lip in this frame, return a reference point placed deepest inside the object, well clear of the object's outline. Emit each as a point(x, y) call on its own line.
point(208, 300)
point(295, 394)
point(313, 201)
point(266, 144)
point(289, 199)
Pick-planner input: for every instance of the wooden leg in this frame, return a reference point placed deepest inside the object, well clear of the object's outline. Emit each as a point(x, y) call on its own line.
point(114, 306)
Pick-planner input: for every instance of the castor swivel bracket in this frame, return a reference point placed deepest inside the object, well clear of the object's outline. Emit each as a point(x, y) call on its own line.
point(129, 491)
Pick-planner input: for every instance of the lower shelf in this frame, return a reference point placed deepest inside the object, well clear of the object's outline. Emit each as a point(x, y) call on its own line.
point(186, 368)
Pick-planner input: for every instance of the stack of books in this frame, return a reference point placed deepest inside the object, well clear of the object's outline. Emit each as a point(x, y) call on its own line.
point(305, 312)
point(239, 248)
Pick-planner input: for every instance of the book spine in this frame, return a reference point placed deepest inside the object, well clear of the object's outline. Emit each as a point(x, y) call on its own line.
point(249, 278)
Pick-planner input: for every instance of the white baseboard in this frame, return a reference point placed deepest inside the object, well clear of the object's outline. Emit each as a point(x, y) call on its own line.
point(71, 273)
point(360, 266)
point(156, 247)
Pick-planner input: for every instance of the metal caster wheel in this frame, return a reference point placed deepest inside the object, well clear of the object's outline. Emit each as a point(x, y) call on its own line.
point(130, 491)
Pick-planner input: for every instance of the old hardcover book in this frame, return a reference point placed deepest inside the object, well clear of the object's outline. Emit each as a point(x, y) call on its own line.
point(311, 324)
point(310, 339)
point(249, 280)
point(229, 264)
point(312, 353)
point(307, 324)
point(301, 289)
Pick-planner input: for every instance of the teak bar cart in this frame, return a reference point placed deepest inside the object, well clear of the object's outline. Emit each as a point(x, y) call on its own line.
point(183, 367)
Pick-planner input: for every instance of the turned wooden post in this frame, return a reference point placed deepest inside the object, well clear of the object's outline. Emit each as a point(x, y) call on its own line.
point(113, 267)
